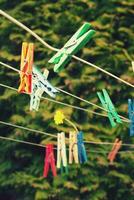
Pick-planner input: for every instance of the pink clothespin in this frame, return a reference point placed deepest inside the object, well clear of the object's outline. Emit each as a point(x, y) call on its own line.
point(49, 161)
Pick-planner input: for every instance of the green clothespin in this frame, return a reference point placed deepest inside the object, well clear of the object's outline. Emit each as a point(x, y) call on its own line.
point(108, 105)
point(76, 42)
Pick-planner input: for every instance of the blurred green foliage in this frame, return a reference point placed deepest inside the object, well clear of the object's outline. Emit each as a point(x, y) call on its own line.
point(21, 166)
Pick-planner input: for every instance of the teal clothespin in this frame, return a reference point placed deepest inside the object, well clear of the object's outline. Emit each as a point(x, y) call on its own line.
point(108, 105)
point(63, 169)
point(76, 42)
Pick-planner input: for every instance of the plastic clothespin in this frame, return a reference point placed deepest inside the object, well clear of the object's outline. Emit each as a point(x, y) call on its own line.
point(108, 105)
point(73, 148)
point(35, 98)
point(61, 152)
point(81, 148)
point(41, 81)
point(26, 67)
point(131, 115)
point(76, 42)
point(49, 161)
point(40, 85)
point(116, 146)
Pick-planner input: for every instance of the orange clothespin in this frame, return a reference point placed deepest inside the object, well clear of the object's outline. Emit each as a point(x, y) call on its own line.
point(116, 146)
point(26, 66)
point(73, 148)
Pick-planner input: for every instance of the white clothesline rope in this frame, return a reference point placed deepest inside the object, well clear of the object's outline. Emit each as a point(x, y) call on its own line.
point(40, 145)
point(55, 49)
point(76, 107)
point(61, 103)
point(52, 135)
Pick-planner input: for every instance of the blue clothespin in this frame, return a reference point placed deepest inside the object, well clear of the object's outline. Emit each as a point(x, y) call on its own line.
point(131, 115)
point(40, 85)
point(108, 105)
point(81, 148)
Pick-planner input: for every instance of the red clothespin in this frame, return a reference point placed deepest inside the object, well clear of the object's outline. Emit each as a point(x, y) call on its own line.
point(116, 146)
point(26, 67)
point(49, 161)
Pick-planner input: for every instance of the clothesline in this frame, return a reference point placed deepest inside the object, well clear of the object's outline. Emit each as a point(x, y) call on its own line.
point(55, 49)
point(123, 118)
point(59, 102)
point(52, 135)
point(40, 145)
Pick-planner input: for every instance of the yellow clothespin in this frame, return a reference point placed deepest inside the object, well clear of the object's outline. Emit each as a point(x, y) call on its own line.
point(73, 147)
point(26, 67)
point(61, 151)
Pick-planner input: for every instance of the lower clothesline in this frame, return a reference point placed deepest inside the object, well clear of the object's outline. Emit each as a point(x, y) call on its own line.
point(55, 136)
point(43, 146)
point(74, 96)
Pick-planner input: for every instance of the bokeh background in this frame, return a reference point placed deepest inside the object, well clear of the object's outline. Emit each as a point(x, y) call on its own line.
point(21, 166)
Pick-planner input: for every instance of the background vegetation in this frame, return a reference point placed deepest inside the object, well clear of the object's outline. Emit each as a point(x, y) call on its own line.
point(21, 166)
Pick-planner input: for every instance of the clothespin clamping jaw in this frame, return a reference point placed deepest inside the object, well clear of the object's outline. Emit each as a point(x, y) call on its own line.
point(116, 146)
point(81, 148)
point(40, 85)
point(49, 161)
point(61, 152)
point(73, 148)
point(76, 42)
point(131, 115)
point(108, 105)
point(26, 68)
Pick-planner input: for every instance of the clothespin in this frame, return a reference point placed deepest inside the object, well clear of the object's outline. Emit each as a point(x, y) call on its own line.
point(42, 82)
point(61, 152)
point(35, 98)
point(76, 42)
point(26, 68)
point(116, 146)
point(108, 105)
point(49, 161)
point(73, 148)
point(131, 115)
point(81, 148)
point(40, 85)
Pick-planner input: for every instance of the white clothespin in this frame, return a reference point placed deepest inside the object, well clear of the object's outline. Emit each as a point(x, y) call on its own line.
point(40, 85)
point(73, 148)
point(61, 151)
point(35, 98)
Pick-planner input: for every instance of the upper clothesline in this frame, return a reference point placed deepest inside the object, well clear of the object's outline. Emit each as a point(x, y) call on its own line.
point(55, 49)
